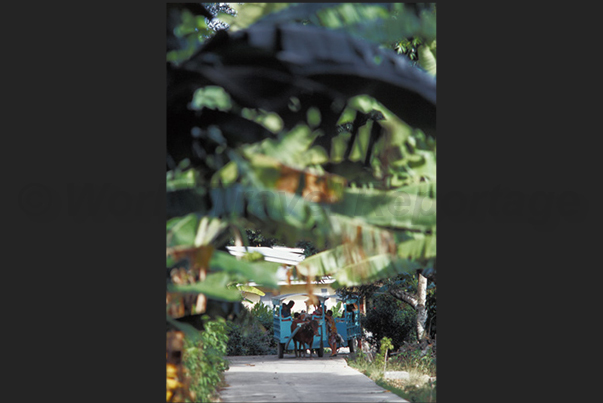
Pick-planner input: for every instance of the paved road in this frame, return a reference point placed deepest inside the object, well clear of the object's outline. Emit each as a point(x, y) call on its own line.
point(266, 378)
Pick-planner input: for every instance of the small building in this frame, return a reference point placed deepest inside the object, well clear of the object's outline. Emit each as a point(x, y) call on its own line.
point(288, 257)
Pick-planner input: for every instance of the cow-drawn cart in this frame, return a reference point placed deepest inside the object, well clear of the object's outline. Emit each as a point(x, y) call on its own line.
point(348, 326)
point(282, 326)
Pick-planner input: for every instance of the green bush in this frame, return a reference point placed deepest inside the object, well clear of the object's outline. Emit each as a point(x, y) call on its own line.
point(249, 340)
point(263, 314)
point(205, 361)
point(389, 317)
point(253, 336)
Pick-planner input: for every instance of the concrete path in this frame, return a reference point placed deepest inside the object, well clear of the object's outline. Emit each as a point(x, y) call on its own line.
point(266, 378)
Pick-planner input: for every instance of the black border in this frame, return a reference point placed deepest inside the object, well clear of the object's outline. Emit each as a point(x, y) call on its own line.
point(86, 92)
point(513, 116)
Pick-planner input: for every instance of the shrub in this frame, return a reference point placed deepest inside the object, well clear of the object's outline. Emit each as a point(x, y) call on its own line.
point(248, 340)
point(205, 361)
point(263, 314)
point(389, 317)
point(253, 336)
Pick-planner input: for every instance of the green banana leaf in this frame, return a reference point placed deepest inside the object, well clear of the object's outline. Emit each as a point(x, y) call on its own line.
point(249, 13)
point(374, 240)
point(371, 239)
point(372, 269)
point(427, 60)
point(420, 247)
point(214, 286)
point(251, 289)
point(359, 19)
point(177, 180)
point(182, 230)
point(350, 266)
point(263, 273)
point(280, 213)
point(293, 148)
point(192, 230)
point(423, 189)
point(393, 209)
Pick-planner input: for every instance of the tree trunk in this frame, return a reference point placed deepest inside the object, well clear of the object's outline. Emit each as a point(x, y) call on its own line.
point(421, 311)
point(417, 302)
point(404, 297)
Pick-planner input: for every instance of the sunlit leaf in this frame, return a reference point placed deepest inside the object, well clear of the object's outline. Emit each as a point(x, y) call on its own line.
point(394, 209)
point(249, 13)
point(209, 229)
point(227, 175)
point(193, 231)
point(422, 247)
point(372, 269)
point(182, 230)
point(251, 289)
point(214, 286)
point(325, 188)
point(313, 117)
point(176, 180)
point(211, 97)
point(351, 267)
point(427, 60)
point(263, 273)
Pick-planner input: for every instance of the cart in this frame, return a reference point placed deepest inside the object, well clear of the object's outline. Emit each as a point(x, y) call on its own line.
point(348, 326)
point(282, 326)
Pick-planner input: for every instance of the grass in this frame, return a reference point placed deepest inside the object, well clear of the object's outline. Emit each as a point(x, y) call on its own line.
point(414, 389)
point(412, 392)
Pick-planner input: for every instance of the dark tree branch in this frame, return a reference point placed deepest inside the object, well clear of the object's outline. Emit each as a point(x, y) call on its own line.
point(404, 297)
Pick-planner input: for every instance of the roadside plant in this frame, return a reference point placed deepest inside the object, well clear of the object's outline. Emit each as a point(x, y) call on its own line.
point(386, 345)
point(204, 359)
point(254, 335)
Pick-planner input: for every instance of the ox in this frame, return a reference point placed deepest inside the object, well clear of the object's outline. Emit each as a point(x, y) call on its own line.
point(305, 335)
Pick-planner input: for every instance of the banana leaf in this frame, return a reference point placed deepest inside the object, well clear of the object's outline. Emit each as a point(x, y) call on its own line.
point(280, 213)
point(249, 13)
point(251, 289)
point(214, 286)
point(395, 21)
point(264, 66)
point(427, 60)
point(192, 231)
point(307, 183)
point(350, 266)
point(263, 273)
point(393, 209)
point(421, 247)
point(372, 269)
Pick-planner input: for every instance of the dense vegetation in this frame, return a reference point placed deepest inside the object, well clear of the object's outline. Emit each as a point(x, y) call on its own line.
point(306, 123)
point(254, 336)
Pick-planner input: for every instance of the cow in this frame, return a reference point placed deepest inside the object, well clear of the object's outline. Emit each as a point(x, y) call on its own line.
point(305, 335)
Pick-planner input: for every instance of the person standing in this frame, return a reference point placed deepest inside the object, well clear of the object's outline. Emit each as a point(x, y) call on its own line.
point(332, 329)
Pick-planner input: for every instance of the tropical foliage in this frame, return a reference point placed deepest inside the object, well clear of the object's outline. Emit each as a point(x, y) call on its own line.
point(205, 361)
point(302, 121)
point(254, 335)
